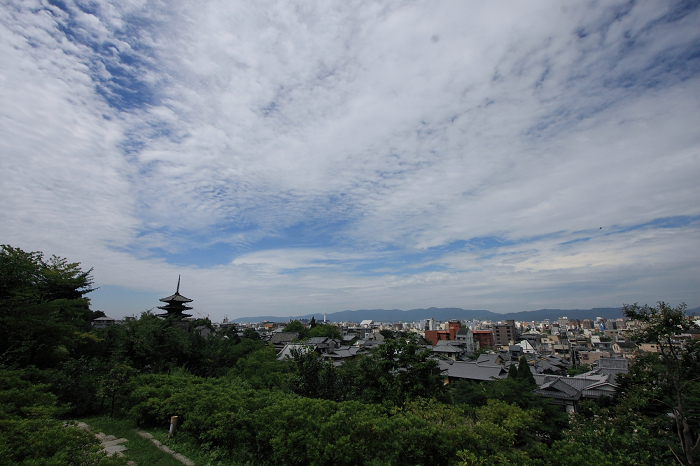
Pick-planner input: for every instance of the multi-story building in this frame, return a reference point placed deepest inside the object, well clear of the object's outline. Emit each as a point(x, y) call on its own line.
point(504, 334)
point(433, 336)
point(484, 338)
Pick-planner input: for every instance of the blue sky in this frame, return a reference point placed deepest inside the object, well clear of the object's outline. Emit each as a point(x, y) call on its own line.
point(290, 157)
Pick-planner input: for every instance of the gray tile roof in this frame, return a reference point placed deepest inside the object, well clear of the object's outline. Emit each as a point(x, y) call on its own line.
point(472, 370)
point(447, 349)
point(558, 389)
point(317, 340)
point(489, 358)
point(287, 351)
point(283, 337)
point(177, 297)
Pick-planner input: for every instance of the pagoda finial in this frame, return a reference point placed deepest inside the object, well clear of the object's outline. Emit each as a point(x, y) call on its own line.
point(178, 285)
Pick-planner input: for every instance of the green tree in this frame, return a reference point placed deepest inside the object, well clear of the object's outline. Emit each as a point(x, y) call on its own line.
point(680, 358)
point(251, 334)
point(324, 330)
point(313, 377)
point(396, 371)
point(294, 326)
point(550, 420)
point(630, 437)
point(151, 343)
point(76, 381)
point(577, 370)
point(31, 435)
point(513, 371)
point(261, 369)
point(42, 306)
point(113, 383)
point(524, 372)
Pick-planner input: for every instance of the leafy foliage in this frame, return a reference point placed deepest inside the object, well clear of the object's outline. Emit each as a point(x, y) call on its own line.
point(395, 372)
point(631, 437)
point(297, 327)
point(677, 386)
point(294, 430)
point(549, 420)
point(31, 435)
point(324, 330)
point(42, 307)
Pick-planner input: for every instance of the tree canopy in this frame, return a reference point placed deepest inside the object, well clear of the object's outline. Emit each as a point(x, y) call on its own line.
point(42, 306)
point(677, 383)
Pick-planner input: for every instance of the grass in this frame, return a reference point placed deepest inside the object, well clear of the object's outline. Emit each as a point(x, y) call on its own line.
point(140, 450)
point(190, 449)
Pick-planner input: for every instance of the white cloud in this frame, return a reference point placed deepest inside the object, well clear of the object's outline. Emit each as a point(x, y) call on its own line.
point(337, 147)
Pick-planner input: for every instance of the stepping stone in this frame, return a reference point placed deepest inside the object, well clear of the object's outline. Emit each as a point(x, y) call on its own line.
point(114, 449)
point(116, 441)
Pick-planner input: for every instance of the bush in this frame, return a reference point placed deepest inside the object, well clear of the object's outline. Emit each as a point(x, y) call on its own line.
point(239, 422)
point(31, 435)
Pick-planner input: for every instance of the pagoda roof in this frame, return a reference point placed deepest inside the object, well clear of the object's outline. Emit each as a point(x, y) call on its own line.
point(175, 307)
point(177, 297)
point(174, 315)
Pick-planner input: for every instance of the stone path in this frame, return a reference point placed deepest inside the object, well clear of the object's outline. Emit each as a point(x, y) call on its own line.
point(177, 456)
point(110, 444)
point(113, 445)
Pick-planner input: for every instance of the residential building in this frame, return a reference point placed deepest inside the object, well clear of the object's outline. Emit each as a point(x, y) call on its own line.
point(484, 338)
point(504, 334)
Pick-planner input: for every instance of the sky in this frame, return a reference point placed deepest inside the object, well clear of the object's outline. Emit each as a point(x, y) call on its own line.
point(293, 157)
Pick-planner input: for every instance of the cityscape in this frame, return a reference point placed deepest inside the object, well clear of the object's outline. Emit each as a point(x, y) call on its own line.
point(349, 233)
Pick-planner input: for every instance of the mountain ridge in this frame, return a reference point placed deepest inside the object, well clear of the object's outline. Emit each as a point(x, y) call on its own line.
point(444, 314)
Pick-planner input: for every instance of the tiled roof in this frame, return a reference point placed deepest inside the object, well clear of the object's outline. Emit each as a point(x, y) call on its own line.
point(449, 349)
point(488, 358)
point(284, 337)
point(177, 297)
point(316, 340)
point(472, 370)
point(287, 350)
point(558, 389)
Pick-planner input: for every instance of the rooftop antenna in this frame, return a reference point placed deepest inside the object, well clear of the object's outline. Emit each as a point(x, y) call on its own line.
point(178, 285)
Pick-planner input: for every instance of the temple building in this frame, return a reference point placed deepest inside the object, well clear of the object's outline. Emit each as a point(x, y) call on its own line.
point(176, 305)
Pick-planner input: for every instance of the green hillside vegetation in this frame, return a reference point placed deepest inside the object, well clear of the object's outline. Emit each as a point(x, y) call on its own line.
point(239, 405)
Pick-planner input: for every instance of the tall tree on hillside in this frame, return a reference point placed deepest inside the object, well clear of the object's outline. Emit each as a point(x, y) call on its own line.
point(396, 371)
point(42, 306)
point(664, 325)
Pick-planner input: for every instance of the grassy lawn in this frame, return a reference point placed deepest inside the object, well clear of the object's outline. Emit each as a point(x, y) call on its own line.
point(142, 450)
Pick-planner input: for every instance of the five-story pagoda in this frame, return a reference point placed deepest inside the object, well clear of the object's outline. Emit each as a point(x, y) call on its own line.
point(176, 305)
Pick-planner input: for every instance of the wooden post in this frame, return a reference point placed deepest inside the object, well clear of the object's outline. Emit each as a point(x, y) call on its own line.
point(173, 426)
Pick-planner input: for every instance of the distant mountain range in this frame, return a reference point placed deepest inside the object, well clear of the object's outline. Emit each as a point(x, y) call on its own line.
point(444, 314)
